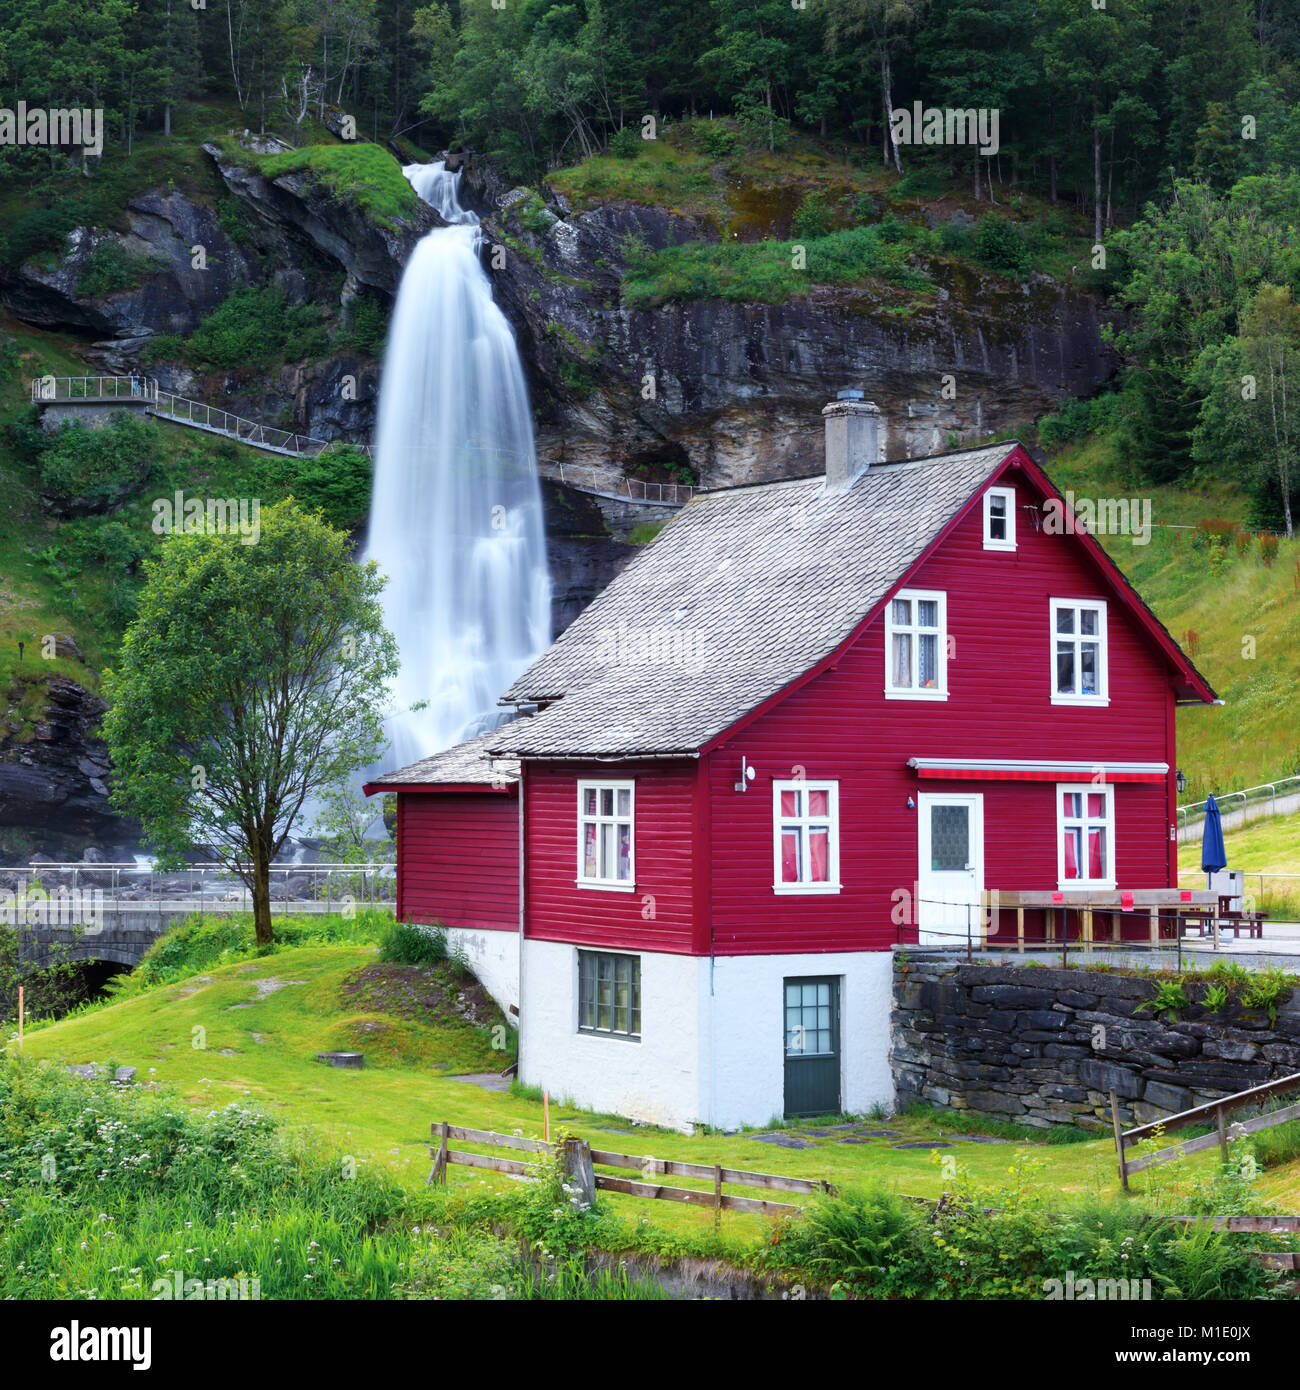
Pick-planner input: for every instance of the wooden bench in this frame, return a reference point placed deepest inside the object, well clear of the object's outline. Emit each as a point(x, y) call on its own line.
point(1252, 923)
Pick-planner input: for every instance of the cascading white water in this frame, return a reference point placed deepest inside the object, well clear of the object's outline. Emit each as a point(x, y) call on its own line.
point(456, 514)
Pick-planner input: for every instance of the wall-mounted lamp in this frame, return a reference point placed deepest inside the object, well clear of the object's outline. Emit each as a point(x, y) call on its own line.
point(1181, 781)
point(746, 777)
point(911, 805)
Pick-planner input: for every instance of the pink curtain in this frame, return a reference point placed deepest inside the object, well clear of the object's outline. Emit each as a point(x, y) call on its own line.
point(1071, 859)
point(819, 854)
point(819, 803)
point(1095, 867)
point(789, 856)
point(789, 803)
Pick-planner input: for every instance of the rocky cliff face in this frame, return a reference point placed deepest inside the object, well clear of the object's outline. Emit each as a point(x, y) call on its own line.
point(54, 787)
point(738, 387)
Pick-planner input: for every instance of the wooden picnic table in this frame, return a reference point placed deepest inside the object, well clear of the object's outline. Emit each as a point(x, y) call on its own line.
point(1179, 903)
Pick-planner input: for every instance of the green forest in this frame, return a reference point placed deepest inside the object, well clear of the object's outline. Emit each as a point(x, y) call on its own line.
point(1170, 129)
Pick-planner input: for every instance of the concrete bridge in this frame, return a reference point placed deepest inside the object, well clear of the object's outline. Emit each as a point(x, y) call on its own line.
point(123, 932)
point(115, 912)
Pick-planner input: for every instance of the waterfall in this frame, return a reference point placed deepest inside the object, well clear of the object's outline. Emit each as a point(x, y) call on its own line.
point(456, 514)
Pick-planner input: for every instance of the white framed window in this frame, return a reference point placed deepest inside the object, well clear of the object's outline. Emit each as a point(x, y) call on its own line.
point(1085, 836)
point(805, 837)
point(605, 841)
point(1000, 518)
point(916, 645)
point(1079, 652)
point(609, 994)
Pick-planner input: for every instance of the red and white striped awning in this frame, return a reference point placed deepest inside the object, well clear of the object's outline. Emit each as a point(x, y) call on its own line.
point(1037, 770)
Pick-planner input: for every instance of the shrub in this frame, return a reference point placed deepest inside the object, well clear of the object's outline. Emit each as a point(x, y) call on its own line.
point(88, 470)
point(862, 1237)
point(958, 239)
point(337, 481)
point(626, 143)
point(110, 267)
point(715, 139)
point(1001, 245)
point(812, 218)
point(365, 326)
point(404, 944)
point(42, 229)
point(1078, 419)
point(1268, 545)
point(255, 328)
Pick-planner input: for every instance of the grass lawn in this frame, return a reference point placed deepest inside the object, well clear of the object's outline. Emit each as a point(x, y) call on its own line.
point(260, 1050)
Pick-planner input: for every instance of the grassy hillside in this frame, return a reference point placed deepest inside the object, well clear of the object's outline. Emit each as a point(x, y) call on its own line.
point(80, 575)
point(1269, 853)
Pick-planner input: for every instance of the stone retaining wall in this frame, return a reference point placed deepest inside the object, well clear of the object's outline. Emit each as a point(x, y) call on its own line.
point(1046, 1046)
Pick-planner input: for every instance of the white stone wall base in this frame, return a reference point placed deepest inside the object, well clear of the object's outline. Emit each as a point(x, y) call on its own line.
point(712, 1040)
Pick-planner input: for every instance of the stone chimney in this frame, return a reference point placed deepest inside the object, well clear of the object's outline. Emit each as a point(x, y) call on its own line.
point(853, 439)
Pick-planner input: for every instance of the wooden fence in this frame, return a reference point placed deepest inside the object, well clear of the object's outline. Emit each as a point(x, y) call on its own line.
point(1214, 1112)
point(581, 1160)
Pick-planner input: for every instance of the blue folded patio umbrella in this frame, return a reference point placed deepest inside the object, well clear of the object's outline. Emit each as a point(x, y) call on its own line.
point(1213, 855)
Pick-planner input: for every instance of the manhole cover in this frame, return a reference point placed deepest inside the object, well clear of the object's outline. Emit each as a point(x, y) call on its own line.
point(341, 1059)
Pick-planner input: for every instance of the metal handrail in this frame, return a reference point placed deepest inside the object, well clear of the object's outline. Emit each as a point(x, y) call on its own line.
point(1185, 812)
point(681, 493)
point(179, 409)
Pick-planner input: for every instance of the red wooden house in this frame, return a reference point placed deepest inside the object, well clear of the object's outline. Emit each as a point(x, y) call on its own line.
point(814, 719)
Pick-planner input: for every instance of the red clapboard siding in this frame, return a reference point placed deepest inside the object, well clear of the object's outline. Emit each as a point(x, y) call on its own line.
point(658, 915)
point(839, 725)
point(459, 859)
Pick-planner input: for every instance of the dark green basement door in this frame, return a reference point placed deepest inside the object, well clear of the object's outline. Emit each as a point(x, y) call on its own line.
point(812, 1046)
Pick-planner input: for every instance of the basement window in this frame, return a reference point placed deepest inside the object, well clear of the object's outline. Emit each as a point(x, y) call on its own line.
point(1078, 652)
point(609, 994)
point(1000, 518)
point(605, 849)
point(916, 645)
point(806, 835)
point(1085, 836)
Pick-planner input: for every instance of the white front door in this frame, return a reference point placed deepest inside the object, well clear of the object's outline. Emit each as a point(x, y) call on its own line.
point(950, 880)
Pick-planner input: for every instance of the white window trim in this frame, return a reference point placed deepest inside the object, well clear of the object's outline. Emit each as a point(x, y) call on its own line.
point(1106, 789)
point(893, 692)
point(1102, 697)
point(1009, 493)
point(832, 885)
point(608, 885)
point(596, 1033)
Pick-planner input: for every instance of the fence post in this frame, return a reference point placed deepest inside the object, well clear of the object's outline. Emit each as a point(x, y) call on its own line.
point(1119, 1141)
point(717, 1196)
point(575, 1156)
point(438, 1173)
point(1223, 1135)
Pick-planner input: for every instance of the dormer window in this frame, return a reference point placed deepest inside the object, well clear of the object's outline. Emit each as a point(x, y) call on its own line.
point(1000, 519)
point(916, 645)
